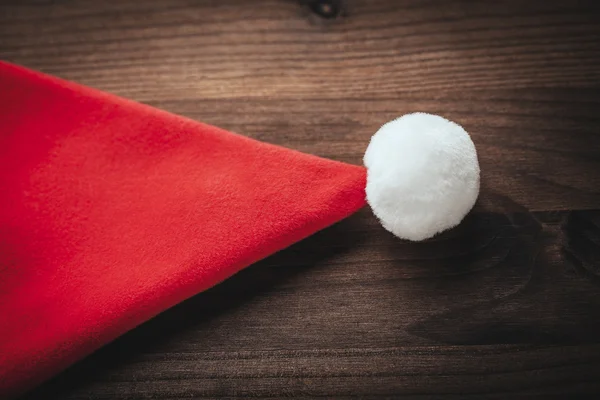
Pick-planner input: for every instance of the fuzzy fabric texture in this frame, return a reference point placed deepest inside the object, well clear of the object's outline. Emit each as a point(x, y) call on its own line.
point(112, 211)
point(423, 175)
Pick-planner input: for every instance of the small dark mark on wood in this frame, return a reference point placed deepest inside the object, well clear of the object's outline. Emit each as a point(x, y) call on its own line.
point(327, 9)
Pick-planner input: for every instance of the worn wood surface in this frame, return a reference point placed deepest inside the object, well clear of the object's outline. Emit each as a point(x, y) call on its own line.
point(508, 303)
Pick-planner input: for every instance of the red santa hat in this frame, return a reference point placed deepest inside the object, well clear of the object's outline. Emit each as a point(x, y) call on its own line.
point(112, 211)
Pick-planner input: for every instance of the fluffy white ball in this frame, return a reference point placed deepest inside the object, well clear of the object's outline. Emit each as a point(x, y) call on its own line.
point(422, 175)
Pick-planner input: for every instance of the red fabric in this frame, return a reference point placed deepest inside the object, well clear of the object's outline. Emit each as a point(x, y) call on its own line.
point(112, 211)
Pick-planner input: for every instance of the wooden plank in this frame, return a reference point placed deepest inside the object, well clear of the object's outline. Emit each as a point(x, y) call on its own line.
point(507, 303)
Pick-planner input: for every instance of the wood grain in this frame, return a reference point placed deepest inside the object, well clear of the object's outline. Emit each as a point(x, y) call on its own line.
point(508, 303)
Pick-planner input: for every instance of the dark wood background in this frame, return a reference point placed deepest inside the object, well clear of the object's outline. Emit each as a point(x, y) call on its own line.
point(508, 303)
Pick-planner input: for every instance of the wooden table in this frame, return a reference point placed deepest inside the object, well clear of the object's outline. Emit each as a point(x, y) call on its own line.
point(508, 303)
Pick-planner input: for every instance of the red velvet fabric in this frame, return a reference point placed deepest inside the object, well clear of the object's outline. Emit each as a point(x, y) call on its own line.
point(112, 211)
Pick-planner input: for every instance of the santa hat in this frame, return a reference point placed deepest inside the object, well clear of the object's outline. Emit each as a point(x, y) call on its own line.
point(112, 211)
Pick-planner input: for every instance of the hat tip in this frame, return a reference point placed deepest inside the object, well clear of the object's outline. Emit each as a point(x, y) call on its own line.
point(423, 175)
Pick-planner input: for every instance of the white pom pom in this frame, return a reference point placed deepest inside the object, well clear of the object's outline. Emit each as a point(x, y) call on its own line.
point(422, 175)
